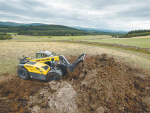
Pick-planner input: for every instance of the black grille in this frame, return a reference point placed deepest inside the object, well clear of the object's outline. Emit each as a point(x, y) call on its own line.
point(45, 67)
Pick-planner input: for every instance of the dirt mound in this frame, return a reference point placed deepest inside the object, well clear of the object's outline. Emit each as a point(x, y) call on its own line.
point(63, 99)
point(15, 93)
point(100, 84)
point(104, 84)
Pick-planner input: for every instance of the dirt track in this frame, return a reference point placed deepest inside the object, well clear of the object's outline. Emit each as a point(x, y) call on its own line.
point(100, 84)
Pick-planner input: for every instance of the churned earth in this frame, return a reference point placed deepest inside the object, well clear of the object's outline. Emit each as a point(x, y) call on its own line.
point(100, 84)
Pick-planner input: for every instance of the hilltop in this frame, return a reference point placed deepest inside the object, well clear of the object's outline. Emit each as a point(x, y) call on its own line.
point(18, 24)
point(38, 29)
point(65, 30)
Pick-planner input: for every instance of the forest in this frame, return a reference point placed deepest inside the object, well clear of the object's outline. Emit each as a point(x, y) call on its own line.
point(43, 30)
point(60, 30)
point(135, 33)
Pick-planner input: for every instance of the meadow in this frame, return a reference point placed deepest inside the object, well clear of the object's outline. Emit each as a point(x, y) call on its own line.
point(118, 78)
point(143, 41)
point(29, 45)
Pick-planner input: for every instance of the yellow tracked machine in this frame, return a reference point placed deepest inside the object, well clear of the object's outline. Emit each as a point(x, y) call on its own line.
point(46, 66)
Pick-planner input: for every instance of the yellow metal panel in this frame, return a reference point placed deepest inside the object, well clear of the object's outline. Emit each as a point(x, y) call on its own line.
point(37, 68)
point(46, 59)
point(29, 58)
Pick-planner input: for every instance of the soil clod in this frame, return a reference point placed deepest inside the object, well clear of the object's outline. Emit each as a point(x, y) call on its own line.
point(100, 84)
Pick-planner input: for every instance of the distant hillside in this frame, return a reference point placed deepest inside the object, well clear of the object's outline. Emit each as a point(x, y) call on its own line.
point(136, 33)
point(54, 30)
point(100, 31)
point(18, 24)
point(43, 30)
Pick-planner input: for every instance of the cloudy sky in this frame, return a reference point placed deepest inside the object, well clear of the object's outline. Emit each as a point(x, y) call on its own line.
point(104, 14)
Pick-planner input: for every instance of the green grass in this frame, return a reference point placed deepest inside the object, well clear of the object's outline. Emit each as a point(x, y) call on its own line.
point(48, 38)
point(16, 49)
point(97, 37)
point(12, 33)
point(139, 42)
point(10, 51)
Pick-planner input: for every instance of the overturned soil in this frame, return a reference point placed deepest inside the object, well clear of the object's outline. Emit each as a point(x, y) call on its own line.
point(101, 84)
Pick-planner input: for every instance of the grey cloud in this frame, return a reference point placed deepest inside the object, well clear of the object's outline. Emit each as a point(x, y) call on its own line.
point(93, 13)
point(137, 12)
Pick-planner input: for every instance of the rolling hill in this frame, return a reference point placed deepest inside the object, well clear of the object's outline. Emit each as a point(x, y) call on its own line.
point(18, 24)
point(38, 29)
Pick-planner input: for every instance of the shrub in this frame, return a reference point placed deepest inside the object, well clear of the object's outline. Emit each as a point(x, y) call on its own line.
point(5, 36)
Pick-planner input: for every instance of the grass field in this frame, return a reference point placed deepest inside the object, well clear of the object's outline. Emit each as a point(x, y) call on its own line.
point(10, 51)
point(107, 81)
point(49, 38)
point(140, 42)
point(12, 33)
point(136, 41)
point(29, 45)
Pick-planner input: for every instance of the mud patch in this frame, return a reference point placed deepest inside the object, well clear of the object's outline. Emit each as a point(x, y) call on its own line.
point(100, 84)
point(61, 100)
point(15, 94)
point(104, 84)
point(4, 74)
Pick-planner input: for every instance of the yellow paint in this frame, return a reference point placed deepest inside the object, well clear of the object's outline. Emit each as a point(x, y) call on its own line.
point(37, 68)
point(46, 59)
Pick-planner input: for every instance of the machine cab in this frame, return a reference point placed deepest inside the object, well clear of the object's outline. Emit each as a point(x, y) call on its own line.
point(43, 54)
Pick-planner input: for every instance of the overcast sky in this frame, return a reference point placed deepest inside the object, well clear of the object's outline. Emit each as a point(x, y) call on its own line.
point(105, 14)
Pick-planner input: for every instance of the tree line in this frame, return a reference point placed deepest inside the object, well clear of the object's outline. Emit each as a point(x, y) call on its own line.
point(43, 30)
point(138, 31)
point(135, 33)
point(60, 30)
point(52, 33)
point(5, 36)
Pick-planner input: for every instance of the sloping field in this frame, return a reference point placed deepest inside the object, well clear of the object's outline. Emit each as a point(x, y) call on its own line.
point(118, 83)
point(139, 42)
point(142, 41)
point(10, 51)
point(101, 84)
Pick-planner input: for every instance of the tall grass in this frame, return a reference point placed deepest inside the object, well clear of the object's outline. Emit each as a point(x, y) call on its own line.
point(127, 47)
point(143, 42)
